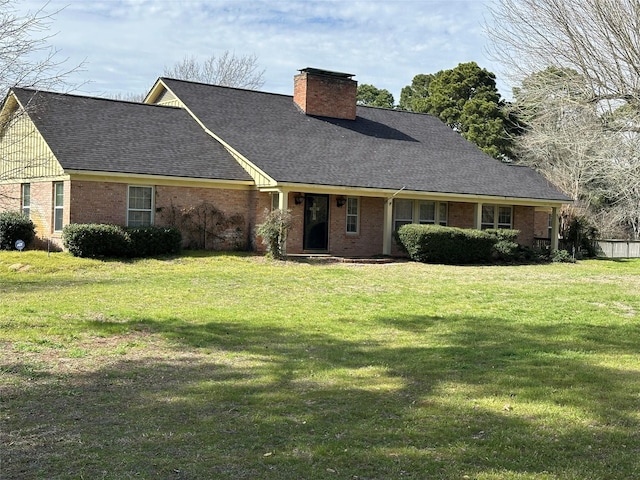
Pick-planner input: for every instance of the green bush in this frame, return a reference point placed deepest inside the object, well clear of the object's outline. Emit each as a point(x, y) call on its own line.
point(153, 241)
point(274, 232)
point(506, 248)
point(15, 226)
point(101, 240)
point(437, 244)
point(562, 256)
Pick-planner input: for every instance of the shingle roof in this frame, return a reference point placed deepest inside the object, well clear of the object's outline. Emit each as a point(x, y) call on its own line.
point(385, 149)
point(93, 134)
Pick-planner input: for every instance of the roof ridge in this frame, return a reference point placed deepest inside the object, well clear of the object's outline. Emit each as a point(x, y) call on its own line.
point(204, 84)
point(90, 97)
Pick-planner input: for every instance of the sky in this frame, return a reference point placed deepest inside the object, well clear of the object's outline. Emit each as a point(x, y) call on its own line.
point(125, 45)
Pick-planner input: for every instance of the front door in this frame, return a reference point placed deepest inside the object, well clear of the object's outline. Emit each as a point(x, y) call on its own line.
point(316, 222)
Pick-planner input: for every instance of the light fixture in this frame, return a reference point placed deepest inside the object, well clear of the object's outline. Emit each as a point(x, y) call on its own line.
point(298, 198)
point(340, 201)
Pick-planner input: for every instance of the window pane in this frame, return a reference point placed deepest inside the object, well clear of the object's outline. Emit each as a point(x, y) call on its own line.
point(58, 211)
point(488, 212)
point(352, 215)
point(504, 217)
point(352, 224)
point(139, 218)
point(352, 206)
point(427, 212)
point(26, 198)
point(140, 197)
point(403, 210)
point(275, 201)
point(442, 213)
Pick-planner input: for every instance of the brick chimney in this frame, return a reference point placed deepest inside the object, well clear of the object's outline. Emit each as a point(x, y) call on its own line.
point(325, 94)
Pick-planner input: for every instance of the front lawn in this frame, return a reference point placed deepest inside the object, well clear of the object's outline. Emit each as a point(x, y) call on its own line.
point(232, 366)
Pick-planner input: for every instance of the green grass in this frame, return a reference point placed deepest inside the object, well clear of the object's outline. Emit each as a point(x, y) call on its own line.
point(233, 366)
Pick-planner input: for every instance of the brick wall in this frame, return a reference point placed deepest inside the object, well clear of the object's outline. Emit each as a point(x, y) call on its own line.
point(98, 202)
point(171, 202)
point(9, 197)
point(462, 215)
point(524, 220)
point(541, 224)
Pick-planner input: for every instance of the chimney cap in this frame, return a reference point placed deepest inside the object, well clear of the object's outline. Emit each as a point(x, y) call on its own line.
point(327, 73)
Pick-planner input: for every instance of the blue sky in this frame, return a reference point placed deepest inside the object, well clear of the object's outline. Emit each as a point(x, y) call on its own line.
point(126, 44)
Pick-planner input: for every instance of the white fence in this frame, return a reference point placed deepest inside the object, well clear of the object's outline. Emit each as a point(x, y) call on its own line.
point(619, 248)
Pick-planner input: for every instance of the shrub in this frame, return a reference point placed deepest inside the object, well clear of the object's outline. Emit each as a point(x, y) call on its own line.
point(95, 240)
point(437, 244)
point(153, 241)
point(562, 256)
point(274, 232)
point(506, 248)
point(15, 226)
point(101, 240)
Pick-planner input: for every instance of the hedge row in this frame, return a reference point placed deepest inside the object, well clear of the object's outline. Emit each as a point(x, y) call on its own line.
point(15, 226)
point(438, 244)
point(101, 240)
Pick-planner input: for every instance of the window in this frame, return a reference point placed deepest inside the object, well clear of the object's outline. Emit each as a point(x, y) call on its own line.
point(58, 206)
point(140, 206)
point(432, 213)
point(352, 214)
point(427, 213)
point(26, 199)
point(494, 216)
point(443, 212)
point(504, 217)
point(402, 213)
point(275, 201)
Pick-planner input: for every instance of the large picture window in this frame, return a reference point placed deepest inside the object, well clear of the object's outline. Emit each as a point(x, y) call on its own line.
point(426, 212)
point(58, 206)
point(352, 214)
point(140, 206)
point(26, 199)
point(497, 216)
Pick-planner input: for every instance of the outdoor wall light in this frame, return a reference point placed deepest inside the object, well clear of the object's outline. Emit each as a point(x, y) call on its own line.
point(340, 201)
point(298, 198)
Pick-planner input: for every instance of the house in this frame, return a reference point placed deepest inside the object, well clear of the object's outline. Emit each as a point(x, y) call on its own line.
point(350, 175)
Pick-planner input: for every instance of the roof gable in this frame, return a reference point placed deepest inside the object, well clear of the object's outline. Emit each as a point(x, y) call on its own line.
point(101, 135)
point(382, 149)
point(21, 139)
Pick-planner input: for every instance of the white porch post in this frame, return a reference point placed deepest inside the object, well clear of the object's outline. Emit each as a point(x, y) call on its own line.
point(479, 216)
point(283, 200)
point(387, 230)
point(554, 228)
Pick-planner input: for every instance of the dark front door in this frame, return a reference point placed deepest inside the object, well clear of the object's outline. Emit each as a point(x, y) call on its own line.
point(316, 222)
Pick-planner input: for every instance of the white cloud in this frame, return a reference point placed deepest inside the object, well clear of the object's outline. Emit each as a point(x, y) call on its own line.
point(127, 43)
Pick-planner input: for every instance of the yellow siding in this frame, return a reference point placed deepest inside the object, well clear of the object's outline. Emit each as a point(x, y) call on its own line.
point(168, 99)
point(23, 152)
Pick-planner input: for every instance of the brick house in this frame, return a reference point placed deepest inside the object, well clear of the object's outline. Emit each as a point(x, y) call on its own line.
point(350, 175)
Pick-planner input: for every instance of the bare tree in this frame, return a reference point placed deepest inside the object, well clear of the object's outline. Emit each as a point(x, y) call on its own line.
point(26, 60)
point(581, 127)
point(227, 70)
point(600, 39)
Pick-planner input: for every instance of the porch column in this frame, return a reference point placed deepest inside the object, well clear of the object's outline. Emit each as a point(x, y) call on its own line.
point(283, 200)
point(478, 216)
point(554, 228)
point(387, 230)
